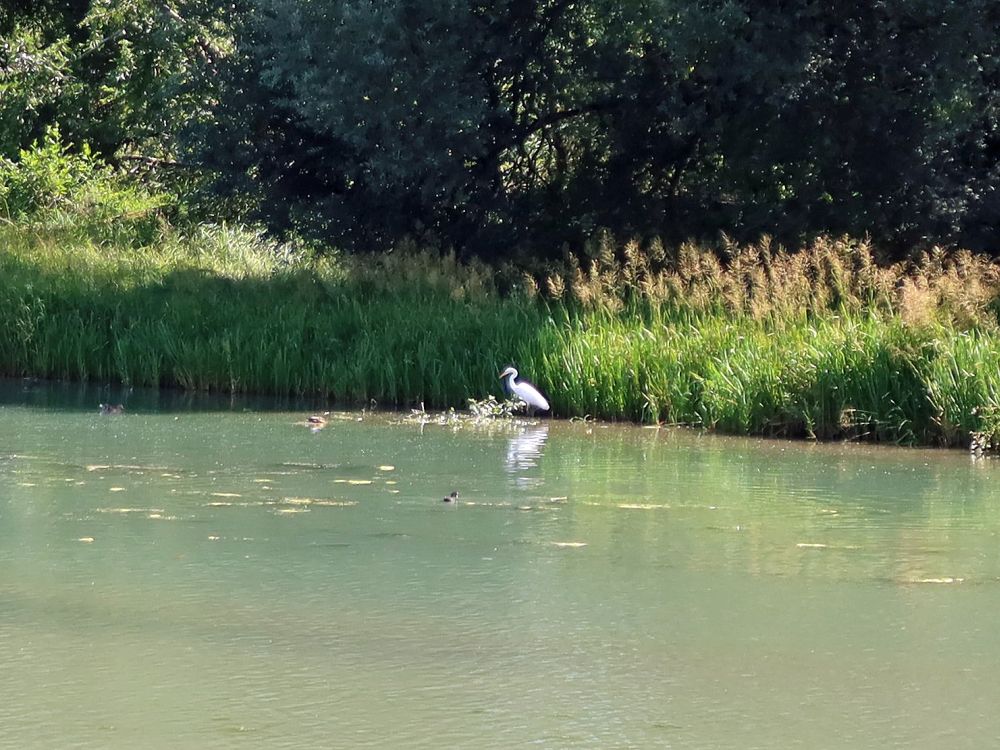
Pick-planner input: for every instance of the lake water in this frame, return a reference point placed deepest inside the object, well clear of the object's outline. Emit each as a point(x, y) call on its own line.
point(209, 575)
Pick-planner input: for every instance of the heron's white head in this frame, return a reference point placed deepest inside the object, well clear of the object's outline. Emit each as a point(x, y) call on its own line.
point(509, 371)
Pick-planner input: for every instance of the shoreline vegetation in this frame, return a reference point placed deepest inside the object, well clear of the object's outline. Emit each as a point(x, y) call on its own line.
point(821, 343)
point(350, 201)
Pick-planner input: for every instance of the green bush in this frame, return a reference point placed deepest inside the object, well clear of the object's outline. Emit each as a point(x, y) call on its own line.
point(46, 176)
point(63, 185)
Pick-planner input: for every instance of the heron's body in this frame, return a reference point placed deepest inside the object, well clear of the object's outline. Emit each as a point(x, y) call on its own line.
point(524, 390)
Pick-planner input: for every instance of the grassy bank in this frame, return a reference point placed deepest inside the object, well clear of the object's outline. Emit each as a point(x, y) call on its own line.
point(822, 343)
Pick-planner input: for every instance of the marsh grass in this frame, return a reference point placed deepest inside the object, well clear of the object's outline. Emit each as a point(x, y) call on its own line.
point(823, 343)
point(222, 308)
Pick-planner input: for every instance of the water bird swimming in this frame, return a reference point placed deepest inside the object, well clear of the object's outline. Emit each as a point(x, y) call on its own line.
point(112, 408)
point(452, 498)
point(524, 391)
point(316, 422)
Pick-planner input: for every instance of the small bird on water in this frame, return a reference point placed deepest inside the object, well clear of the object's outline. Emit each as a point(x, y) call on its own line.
point(524, 391)
point(316, 422)
point(452, 498)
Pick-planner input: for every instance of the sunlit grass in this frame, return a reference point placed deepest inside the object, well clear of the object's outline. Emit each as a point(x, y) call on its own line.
point(823, 343)
point(225, 309)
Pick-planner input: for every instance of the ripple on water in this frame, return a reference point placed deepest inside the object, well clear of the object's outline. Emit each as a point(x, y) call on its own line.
point(597, 625)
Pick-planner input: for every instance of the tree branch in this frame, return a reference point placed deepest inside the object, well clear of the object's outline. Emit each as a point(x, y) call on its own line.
point(157, 162)
point(520, 135)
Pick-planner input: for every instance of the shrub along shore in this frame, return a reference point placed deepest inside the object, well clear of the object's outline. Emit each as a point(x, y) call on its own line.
point(820, 343)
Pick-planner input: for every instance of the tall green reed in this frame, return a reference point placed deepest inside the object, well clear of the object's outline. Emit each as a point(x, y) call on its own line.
point(824, 343)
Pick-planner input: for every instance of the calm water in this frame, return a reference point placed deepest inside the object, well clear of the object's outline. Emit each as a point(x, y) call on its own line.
point(217, 577)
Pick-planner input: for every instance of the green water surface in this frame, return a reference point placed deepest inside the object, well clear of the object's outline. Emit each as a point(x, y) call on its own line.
point(221, 576)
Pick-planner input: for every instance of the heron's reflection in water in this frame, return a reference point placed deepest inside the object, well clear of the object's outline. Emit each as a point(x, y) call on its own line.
point(524, 451)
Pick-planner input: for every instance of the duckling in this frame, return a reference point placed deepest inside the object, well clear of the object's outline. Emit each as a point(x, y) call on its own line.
point(452, 498)
point(316, 422)
point(112, 408)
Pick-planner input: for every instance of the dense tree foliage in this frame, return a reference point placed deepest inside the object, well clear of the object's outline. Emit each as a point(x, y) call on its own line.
point(494, 126)
point(120, 75)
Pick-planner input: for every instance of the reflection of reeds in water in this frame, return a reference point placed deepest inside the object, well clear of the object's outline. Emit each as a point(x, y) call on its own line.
point(772, 508)
point(752, 339)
